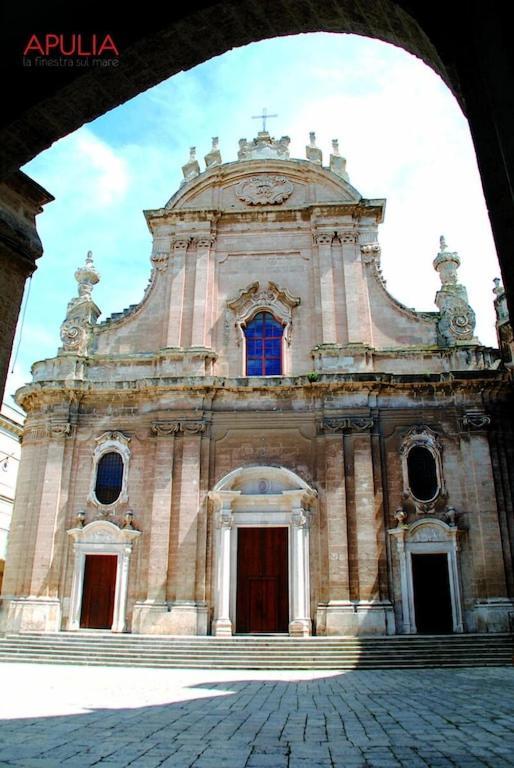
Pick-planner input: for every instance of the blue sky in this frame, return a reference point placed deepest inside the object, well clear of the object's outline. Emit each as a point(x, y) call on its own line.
point(398, 125)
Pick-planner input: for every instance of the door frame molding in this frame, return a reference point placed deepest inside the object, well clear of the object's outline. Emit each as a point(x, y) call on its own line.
point(427, 536)
point(101, 537)
point(258, 497)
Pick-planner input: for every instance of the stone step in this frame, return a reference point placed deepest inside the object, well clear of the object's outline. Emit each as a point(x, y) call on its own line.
point(267, 652)
point(235, 649)
point(384, 663)
point(410, 640)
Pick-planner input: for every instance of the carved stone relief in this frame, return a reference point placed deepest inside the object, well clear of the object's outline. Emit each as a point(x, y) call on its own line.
point(264, 190)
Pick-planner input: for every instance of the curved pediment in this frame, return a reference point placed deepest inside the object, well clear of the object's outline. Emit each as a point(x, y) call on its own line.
point(257, 184)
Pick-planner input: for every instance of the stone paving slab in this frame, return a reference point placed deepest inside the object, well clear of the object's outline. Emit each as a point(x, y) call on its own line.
point(147, 718)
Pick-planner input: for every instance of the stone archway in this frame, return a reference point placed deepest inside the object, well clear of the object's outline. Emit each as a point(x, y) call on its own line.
point(259, 497)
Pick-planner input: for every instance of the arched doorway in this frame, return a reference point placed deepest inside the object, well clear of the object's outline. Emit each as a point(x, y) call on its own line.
point(261, 545)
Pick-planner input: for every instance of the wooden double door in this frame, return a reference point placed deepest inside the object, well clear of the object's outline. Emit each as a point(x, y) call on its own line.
point(98, 591)
point(262, 597)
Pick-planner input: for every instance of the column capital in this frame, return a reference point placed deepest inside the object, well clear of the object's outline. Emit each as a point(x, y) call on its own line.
point(300, 518)
point(204, 241)
point(59, 430)
point(225, 519)
point(175, 427)
point(323, 238)
point(475, 421)
point(181, 243)
point(193, 427)
point(165, 428)
point(348, 237)
point(337, 424)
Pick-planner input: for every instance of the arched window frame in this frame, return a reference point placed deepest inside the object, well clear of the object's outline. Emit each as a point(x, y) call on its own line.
point(423, 437)
point(244, 326)
point(110, 442)
point(273, 299)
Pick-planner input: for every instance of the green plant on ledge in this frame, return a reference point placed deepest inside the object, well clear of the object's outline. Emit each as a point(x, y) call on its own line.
point(313, 376)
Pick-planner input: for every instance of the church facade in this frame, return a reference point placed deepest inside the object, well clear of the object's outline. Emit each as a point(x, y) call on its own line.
point(268, 442)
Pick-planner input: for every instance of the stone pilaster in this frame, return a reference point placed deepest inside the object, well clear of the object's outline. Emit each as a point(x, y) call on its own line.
point(356, 294)
point(335, 499)
point(200, 302)
point(188, 616)
point(41, 610)
point(161, 511)
point(326, 277)
point(367, 545)
point(491, 604)
point(176, 304)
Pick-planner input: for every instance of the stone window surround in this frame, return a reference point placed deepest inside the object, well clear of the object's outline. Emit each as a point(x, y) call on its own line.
point(286, 508)
point(423, 437)
point(273, 299)
point(427, 536)
point(101, 537)
point(110, 442)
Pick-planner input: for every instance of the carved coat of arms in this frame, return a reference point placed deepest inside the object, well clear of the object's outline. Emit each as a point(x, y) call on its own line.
point(264, 190)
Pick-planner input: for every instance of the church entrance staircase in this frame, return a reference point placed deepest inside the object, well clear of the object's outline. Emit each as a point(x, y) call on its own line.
point(264, 652)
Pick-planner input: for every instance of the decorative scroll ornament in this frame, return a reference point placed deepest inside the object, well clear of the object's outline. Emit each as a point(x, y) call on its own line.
point(272, 299)
point(475, 420)
point(59, 429)
point(346, 424)
point(264, 190)
point(166, 428)
point(159, 261)
point(457, 319)
point(371, 253)
point(82, 313)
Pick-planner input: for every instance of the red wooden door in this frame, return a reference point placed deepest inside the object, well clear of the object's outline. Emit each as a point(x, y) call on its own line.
point(262, 603)
point(98, 591)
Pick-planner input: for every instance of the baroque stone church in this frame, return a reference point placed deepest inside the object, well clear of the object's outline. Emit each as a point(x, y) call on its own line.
point(268, 442)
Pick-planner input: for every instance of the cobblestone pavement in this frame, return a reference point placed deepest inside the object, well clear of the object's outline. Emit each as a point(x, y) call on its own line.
point(80, 717)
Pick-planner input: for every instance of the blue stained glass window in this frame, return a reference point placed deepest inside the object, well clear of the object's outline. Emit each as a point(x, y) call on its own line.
point(264, 346)
point(109, 478)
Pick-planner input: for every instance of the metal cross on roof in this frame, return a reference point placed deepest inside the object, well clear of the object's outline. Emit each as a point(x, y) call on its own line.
point(263, 117)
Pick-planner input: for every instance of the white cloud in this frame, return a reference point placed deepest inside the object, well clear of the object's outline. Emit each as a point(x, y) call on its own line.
point(110, 173)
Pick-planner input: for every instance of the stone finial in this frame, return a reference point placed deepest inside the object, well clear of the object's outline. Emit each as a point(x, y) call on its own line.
point(87, 276)
point(457, 319)
point(214, 156)
point(82, 313)
point(191, 169)
point(446, 264)
point(264, 146)
point(312, 152)
point(338, 162)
